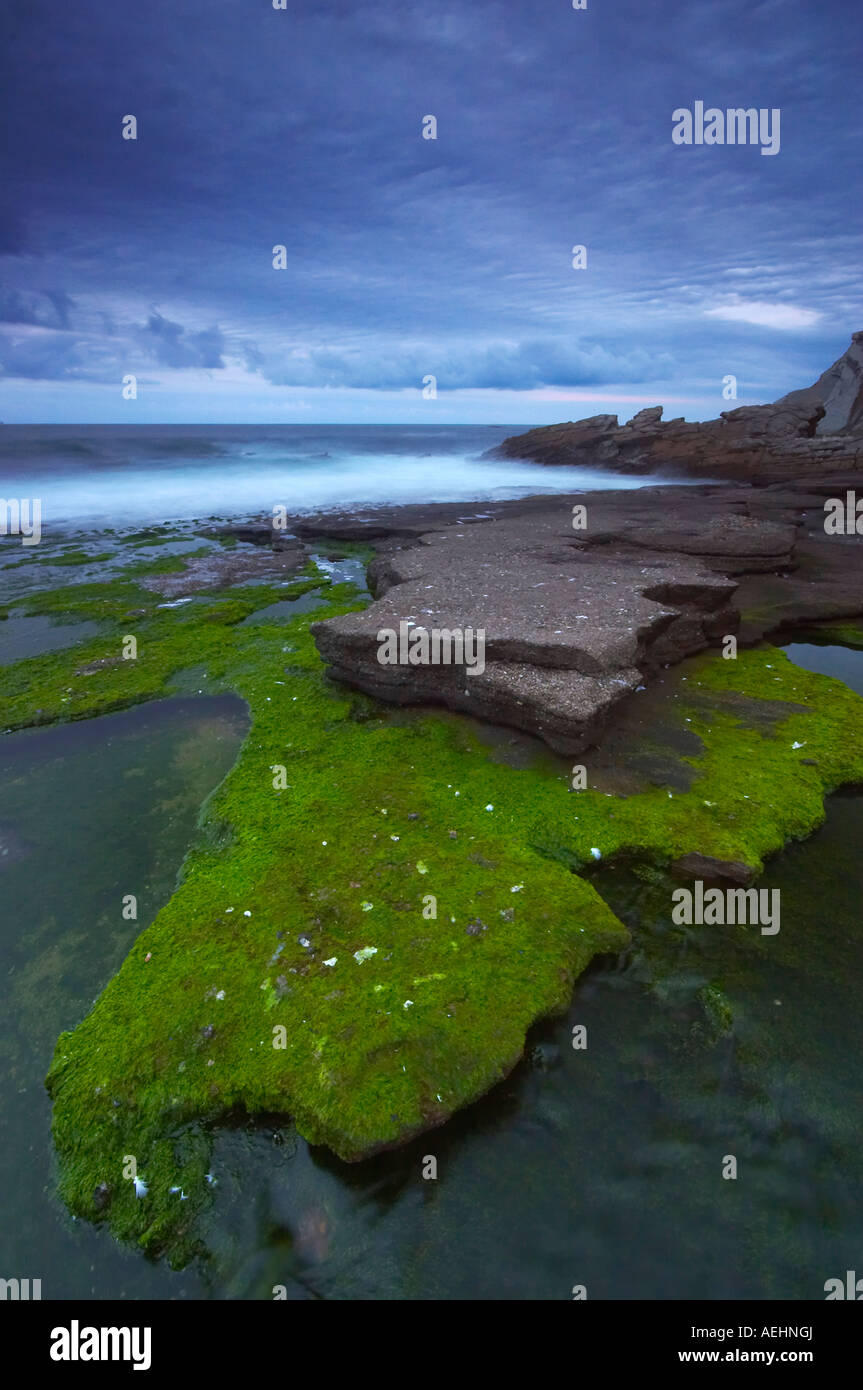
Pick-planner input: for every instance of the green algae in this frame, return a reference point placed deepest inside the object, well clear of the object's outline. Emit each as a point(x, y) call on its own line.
point(95, 678)
point(143, 539)
point(775, 741)
point(168, 564)
point(344, 856)
point(834, 634)
point(718, 1012)
point(375, 911)
point(63, 558)
point(346, 550)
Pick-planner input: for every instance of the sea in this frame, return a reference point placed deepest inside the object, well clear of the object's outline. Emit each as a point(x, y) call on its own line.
point(97, 476)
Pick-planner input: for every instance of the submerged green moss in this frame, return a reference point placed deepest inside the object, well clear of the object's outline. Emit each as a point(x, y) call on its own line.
point(838, 634)
point(718, 1013)
point(62, 558)
point(346, 550)
point(376, 910)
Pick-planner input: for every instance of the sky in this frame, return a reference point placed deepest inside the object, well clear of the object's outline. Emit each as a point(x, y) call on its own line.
point(408, 257)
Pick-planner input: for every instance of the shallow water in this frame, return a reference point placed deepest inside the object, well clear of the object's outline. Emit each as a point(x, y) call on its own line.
point(22, 636)
point(843, 663)
point(286, 608)
point(599, 1167)
point(89, 812)
point(344, 571)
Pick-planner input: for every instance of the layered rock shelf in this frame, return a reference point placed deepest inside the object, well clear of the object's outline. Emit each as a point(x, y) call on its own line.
point(815, 430)
point(576, 619)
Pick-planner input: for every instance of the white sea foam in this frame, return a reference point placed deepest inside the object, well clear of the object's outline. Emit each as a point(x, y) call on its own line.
point(131, 479)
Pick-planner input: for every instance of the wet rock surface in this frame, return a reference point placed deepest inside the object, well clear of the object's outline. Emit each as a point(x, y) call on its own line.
point(575, 620)
point(712, 871)
point(222, 569)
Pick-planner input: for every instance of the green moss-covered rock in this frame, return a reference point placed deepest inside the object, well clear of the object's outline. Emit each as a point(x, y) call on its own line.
point(718, 1013)
point(840, 634)
point(774, 740)
point(358, 942)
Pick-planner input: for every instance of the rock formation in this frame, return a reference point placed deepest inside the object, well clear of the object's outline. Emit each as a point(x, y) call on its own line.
point(839, 390)
point(815, 430)
point(576, 620)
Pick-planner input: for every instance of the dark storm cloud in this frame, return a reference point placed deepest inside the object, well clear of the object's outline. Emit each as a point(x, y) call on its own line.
point(31, 347)
point(490, 366)
point(63, 304)
point(50, 309)
point(302, 128)
point(19, 308)
point(173, 346)
point(45, 356)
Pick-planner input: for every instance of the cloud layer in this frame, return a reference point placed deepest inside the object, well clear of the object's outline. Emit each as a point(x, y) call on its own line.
point(406, 257)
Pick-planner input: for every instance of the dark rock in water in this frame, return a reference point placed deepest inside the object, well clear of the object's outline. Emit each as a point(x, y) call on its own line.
point(101, 1196)
point(253, 535)
point(814, 430)
point(544, 1056)
point(701, 866)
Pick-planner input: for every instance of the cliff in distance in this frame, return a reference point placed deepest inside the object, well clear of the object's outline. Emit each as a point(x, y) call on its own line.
point(813, 431)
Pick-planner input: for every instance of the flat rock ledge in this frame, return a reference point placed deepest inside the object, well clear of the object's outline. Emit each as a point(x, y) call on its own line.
point(576, 620)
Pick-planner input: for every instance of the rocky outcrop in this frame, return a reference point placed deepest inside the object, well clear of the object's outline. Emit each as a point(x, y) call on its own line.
point(816, 430)
point(839, 390)
point(575, 621)
point(567, 629)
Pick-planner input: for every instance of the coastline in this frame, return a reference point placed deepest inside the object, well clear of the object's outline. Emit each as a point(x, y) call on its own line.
point(466, 880)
